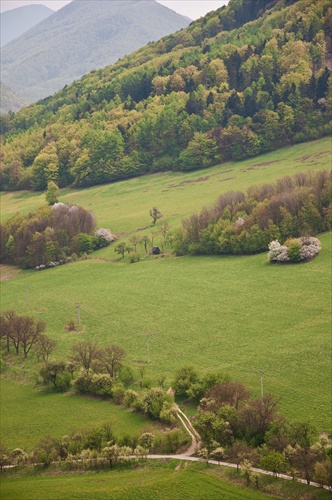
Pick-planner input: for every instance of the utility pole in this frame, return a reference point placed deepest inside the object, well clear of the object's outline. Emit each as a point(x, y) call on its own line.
point(261, 373)
point(261, 376)
point(148, 347)
point(78, 314)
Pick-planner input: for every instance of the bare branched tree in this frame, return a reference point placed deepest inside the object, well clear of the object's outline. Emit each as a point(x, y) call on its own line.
point(111, 358)
point(84, 353)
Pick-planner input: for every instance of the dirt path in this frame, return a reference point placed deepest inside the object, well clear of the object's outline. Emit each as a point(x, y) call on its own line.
point(195, 437)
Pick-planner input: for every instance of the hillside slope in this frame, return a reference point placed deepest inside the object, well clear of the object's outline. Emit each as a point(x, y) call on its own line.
point(246, 79)
point(80, 37)
point(9, 101)
point(15, 22)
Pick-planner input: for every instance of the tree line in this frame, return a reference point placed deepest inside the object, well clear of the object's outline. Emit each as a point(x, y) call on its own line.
point(217, 91)
point(50, 236)
point(241, 223)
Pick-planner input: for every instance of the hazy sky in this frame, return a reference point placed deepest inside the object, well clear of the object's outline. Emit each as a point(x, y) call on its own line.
point(189, 8)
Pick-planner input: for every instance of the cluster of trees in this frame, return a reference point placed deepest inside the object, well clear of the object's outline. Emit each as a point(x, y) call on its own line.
point(244, 224)
point(24, 333)
point(93, 448)
point(91, 369)
point(250, 431)
point(220, 89)
point(50, 236)
point(100, 371)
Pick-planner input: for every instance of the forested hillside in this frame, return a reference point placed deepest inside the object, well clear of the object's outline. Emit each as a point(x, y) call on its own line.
point(248, 78)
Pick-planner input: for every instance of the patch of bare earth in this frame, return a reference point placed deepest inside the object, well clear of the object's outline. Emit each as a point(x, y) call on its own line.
point(265, 164)
point(313, 156)
point(9, 272)
point(200, 179)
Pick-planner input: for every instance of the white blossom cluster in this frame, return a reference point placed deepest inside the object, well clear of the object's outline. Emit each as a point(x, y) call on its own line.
point(239, 223)
point(106, 234)
point(310, 247)
point(71, 209)
point(279, 253)
point(58, 205)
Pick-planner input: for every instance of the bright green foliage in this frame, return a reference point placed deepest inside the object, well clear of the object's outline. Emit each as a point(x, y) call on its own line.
point(245, 79)
point(52, 193)
point(274, 461)
point(294, 247)
point(184, 378)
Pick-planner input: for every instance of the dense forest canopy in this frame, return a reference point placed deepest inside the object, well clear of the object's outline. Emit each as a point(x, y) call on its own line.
point(248, 78)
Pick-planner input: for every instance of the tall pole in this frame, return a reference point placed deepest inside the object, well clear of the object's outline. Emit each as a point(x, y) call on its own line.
point(79, 314)
point(262, 394)
point(148, 347)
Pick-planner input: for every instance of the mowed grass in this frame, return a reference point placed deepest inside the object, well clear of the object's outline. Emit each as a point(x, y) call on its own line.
point(237, 314)
point(28, 415)
point(124, 206)
point(169, 481)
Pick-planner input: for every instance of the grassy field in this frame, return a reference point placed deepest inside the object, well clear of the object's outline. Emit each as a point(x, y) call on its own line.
point(43, 413)
point(237, 314)
point(124, 206)
point(154, 480)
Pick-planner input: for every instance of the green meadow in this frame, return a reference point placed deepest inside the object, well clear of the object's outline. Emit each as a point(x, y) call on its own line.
point(124, 206)
point(151, 480)
point(41, 413)
point(236, 314)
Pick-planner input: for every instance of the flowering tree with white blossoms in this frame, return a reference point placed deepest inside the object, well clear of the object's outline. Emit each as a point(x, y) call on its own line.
point(309, 248)
point(106, 234)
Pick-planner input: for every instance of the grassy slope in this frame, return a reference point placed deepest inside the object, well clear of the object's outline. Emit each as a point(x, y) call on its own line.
point(166, 482)
point(153, 480)
point(58, 414)
point(233, 313)
point(124, 206)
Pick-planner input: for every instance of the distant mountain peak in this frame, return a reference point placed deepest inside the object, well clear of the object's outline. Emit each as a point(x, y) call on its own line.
point(15, 22)
point(82, 36)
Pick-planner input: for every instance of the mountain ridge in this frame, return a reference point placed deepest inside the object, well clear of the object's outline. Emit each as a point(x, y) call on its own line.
point(17, 21)
point(80, 37)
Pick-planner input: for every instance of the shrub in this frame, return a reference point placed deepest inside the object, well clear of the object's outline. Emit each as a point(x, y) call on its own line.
point(101, 384)
point(134, 257)
point(310, 247)
point(277, 252)
point(129, 397)
point(104, 237)
point(168, 413)
point(294, 249)
point(118, 392)
point(83, 382)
